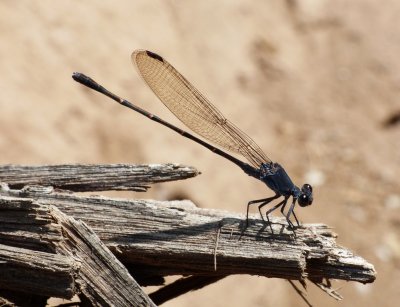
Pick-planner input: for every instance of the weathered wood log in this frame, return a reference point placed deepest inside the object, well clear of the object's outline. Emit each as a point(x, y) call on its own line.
point(94, 177)
point(37, 272)
point(76, 260)
point(179, 238)
point(155, 239)
point(25, 223)
point(103, 280)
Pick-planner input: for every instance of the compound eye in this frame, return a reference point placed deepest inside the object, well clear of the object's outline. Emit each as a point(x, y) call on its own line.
point(305, 200)
point(308, 187)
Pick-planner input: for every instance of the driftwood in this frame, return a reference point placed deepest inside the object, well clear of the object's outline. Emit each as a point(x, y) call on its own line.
point(94, 177)
point(76, 261)
point(154, 239)
point(103, 280)
point(37, 272)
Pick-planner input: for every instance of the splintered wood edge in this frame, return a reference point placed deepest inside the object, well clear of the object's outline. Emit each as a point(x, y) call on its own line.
point(51, 254)
point(102, 277)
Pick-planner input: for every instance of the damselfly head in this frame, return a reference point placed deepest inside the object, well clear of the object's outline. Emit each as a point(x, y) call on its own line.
point(306, 198)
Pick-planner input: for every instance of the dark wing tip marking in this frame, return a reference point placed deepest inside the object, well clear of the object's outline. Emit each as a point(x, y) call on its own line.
point(154, 56)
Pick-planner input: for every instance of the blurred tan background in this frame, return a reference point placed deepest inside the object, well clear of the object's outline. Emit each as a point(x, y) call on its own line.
point(310, 81)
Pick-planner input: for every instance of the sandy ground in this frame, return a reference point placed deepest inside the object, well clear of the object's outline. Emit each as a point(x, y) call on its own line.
point(310, 81)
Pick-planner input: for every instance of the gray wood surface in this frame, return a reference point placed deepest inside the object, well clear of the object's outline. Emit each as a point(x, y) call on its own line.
point(37, 272)
point(154, 239)
point(52, 254)
point(102, 279)
point(176, 237)
point(94, 177)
